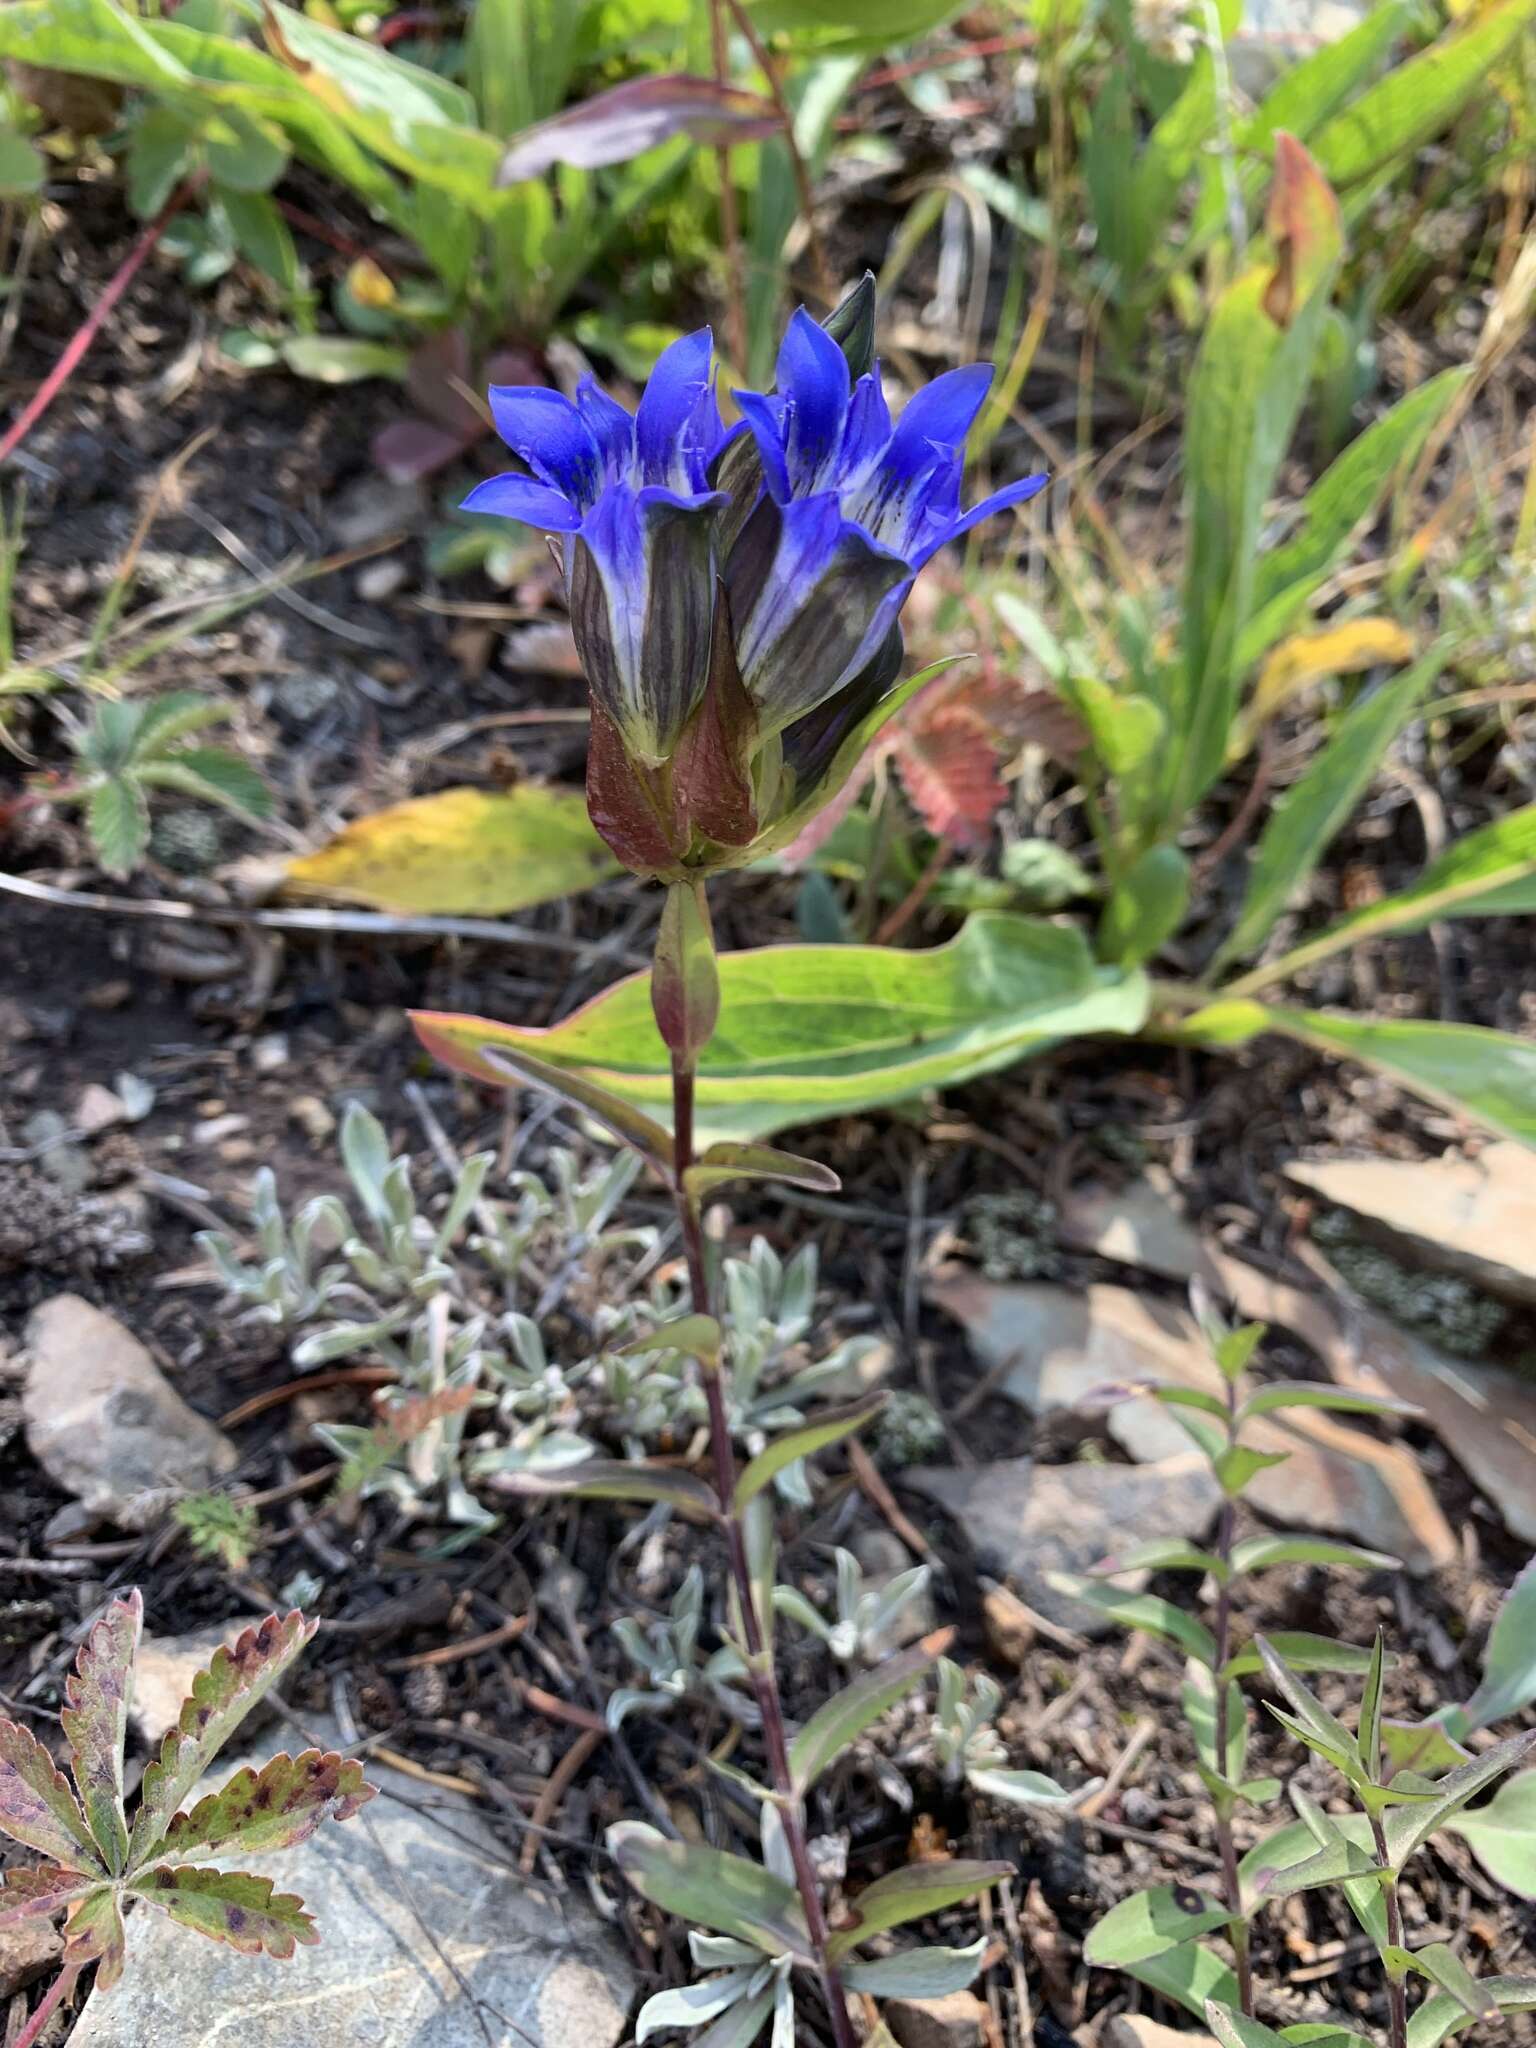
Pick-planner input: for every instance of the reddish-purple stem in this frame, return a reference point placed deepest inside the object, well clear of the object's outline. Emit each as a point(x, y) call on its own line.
point(58, 1991)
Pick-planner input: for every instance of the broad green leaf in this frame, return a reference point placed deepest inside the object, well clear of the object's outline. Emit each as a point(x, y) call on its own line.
point(95, 1934)
point(1440, 1963)
point(214, 776)
point(245, 156)
point(37, 1807)
point(95, 1723)
point(1149, 1922)
point(708, 1888)
point(820, 1031)
point(343, 358)
point(911, 1893)
point(1424, 1746)
point(1303, 1652)
point(1125, 728)
point(1414, 101)
point(158, 158)
point(1441, 2016)
point(23, 169)
point(830, 1426)
point(470, 852)
point(1409, 1826)
point(117, 817)
point(1239, 1463)
point(1191, 1974)
point(1278, 1394)
point(1302, 827)
point(918, 1972)
point(1486, 1075)
point(514, 1063)
point(273, 1807)
point(1146, 908)
point(1143, 1610)
point(1509, 1661)
point(231, 1906)
point(1161, 1554)
point(1258, 1553)
point(723, 1163)
point(89, 36)
point(614, 1479)
point(1502, 1834)
point(263, 238)
point(236, 1681)
point(839, 1721)
point(1233, 2028)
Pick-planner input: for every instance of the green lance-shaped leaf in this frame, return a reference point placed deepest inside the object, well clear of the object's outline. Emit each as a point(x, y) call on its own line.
point(1508, 1682)
point(95, 1722)
point(708, 1888)
point(685, 984)
point(1279, 1394)
point(37, 1807)
point(1304, 1652)
point(1301, 1840)
point(1148, 1922)
point(1233, 2028)
point(1502, 1834)
point(1319, 1729)
point(691, 2005)
point(613, 1479)
point(514, 1064)
point(1143, 1610)
point(1019, 1788)
point(94, 1933)
point(726, 1162)
point(1161, 1554)
point(1258, 1553)
point(1147, 907)
point(1368, 1734)
point(30, 1894)
point(1319, 2034)
point(918, 1972)
point(1441, 2016)
point(1422, 1746)
point(1440, 1963)
point(1189, 1974)
point(1409, 1826)
point(1239, 1463)
point(829, 1427)
point(236, 1681)
point(275, 1807)
point(839, 1721)
point(229, 1905)
point(743, 2024)
point(698, 1336)
point(912, 1893)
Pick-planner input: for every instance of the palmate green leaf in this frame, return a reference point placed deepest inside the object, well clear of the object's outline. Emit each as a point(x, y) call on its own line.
point(1258, 1553)
point(1233, 2028)
point(1278, 1394)
point(37, 1894)
point(37, 1807)
point(613, 1479)
point(214, 776)
point(1502, 1834)
point(230, 1906)
point(1303, 825)
point(1148, 1922)
point(274, 1807)
point(1145, 1611)
point(1189, 1974)
point(1508, 1682)
point(819, 1031)
point(117, 818)
point(708, 1888)
point(236, 1681)
point(94, 1718)
point(161, 721)
point(830, 1426)
point(1409, 1826)
point(95, 1934)
point(841, 1720)
point(918, 1972)
point(911, 1893)
point(1441, 2016)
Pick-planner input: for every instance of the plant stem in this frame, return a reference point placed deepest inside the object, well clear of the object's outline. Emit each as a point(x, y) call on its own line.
point(730, 220)
point(58, 1991)
point(1397, 1990)
point(1231, 1883)
point(765, 1682)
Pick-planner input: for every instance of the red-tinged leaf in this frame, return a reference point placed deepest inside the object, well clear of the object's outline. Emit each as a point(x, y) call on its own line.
point(949, 768)
point(273, 1808)
point(711, 779)
point(95, 1721)
point(219, 1701)
point(408, 450)
point(616, 125)
point(621, 798)
point(1019, 717)
point(94, 1933)
point(441, 380)
point(1305, 226)
point(37, 1807)
point(685, 982)
point(37, 1894)
point(232, 1906)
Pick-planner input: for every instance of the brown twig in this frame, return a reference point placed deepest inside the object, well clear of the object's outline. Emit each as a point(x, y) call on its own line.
point(454, 1653)
point(312, 1383)
point(826, 284)
point(559, 1782)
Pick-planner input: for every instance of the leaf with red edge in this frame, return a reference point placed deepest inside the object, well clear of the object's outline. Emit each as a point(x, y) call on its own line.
point(37, 1807)
point(272, 1808)
point(232, 1906)
point(1020, 717)
point(37, 1894)
point(1305, 227)
point(94, 1933)
point(618, 124)
point(948, 763)
point(95, 1721)
point(711, 780)
point(622, 799)
point(219, 1701)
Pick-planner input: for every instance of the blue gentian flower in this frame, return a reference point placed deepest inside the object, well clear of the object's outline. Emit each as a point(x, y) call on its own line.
point(634, 498)
point(852, 507)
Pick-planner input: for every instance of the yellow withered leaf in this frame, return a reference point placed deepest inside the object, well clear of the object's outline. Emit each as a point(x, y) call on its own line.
point(464, 852)
point(1307, 658)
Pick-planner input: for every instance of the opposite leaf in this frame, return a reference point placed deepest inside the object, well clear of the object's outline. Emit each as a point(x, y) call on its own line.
point(1149, 1922)
point(275, 1807)
point(232, 1906)
point(911, 1894)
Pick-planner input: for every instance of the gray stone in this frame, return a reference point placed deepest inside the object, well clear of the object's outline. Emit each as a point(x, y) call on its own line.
point(163, 1673)
point(428, 1939)
point(1135, 2030)
point(104, 1422)
point(1032, 1521)
point(1137, 1225)
point(1276, 34)
point(958, 2021)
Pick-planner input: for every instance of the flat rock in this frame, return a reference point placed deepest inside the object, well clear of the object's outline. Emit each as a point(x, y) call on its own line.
point(1056, 1348)
point(958, 2021)
point(163, 1673)
point(1031, 1520)
point(1472, 1217)
point(105, 1423)
point(1139, 1224)
point(1135, 2030)
point(427, 1938)
point(27, 1948)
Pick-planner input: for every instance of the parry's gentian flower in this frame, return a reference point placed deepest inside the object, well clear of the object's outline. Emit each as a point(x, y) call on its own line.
point(735, 596)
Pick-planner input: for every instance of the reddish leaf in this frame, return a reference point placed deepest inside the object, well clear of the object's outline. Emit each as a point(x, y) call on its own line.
point(95, 1720)
point(232, 1906)
point(1019, 717)
point(37, 1807)
point(621, 801)
point(273, 1808)
point(441, 380)
point(408, 450)
point(1305, 226)
point(621, 123)
point(93, 1933)
point(711, 779)
point(36, 1894)
point(219, 1701)
point(949, 768)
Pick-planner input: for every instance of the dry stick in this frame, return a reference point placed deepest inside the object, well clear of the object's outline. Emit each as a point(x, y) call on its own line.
point(730, 222)
point(91, 326)
point(826, 284)
point(765, 1682)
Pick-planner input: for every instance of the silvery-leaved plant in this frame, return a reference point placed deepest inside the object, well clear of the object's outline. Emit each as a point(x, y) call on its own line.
point(667, 1654)
point(859, 1630)
point(101, 1860)
point(969, 1750)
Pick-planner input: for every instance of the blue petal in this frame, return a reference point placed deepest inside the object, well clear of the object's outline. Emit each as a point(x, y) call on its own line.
point(899, 505)
point(813, 376)
point(762, 416)
point(1011, 494)
point(868, 425)
point(551, 437)
point(941, 412)
point(519, 497)
point(610, 426)
point(667, 414)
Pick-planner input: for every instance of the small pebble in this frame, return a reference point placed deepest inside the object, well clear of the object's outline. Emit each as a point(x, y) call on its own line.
point(312, 1118)
point(215, 1129)
point(270, 1053)
point(382, 579)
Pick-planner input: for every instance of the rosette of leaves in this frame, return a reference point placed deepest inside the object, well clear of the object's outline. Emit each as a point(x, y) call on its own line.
point(99, 1860)
point(667, 1655)
point(969, 1749)
point(863, 1616)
